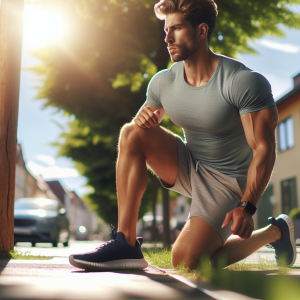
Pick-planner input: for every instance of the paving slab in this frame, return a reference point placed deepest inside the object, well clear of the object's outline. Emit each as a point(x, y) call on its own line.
point(57, 279)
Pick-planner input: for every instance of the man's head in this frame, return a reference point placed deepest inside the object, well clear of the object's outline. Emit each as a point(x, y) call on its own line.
point(186, 23)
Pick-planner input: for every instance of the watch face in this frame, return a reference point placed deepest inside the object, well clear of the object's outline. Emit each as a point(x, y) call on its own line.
point(249, 207)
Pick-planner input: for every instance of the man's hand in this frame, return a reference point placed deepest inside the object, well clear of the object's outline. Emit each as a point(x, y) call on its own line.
point(146, 118)
point(242, 222)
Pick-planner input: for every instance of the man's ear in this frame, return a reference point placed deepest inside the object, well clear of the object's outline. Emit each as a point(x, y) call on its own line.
point(202, 30)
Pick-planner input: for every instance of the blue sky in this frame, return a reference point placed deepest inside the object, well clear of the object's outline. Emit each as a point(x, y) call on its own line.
point(278, 61)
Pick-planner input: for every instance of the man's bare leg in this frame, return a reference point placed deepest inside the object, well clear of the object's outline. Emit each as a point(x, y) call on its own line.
point(236, 249)
point(198, 238)
point(138, 147)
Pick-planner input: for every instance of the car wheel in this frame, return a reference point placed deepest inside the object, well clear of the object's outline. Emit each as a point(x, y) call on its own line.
point(66, 244)
point(33, 244)
point(55, 243)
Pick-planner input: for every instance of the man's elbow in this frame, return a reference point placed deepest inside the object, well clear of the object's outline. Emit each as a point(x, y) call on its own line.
point(267, 151)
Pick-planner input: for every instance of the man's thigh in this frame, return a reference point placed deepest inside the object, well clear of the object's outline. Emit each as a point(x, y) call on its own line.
point(196, 239)
point(159, 146)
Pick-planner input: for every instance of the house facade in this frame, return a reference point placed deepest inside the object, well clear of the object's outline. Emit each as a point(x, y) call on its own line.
point(30, 186)
point(25, 184)
point(281, 195)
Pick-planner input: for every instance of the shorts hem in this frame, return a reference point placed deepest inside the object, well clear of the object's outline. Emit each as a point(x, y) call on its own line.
point(205, 219)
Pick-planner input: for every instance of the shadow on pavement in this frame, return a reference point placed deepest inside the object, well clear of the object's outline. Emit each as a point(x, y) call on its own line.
point(3, 264)
point(181, 290)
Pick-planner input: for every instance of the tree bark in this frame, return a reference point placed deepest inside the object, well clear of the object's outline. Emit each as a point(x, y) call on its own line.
point(154, 201)
point(166, 212)
point(11, 25)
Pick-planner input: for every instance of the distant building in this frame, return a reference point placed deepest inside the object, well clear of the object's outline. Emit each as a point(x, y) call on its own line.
point(25, 183)
point(81, 215)
point(282, 193)
point(76, 211)
point(20, 179)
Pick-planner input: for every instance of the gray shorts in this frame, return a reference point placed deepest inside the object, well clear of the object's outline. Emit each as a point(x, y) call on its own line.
point(213, 193)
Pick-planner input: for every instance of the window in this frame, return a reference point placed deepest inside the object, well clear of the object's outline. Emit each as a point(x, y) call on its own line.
point(286, 134)
point(289, 195)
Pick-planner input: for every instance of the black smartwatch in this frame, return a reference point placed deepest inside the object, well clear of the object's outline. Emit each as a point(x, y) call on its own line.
point(249, 207)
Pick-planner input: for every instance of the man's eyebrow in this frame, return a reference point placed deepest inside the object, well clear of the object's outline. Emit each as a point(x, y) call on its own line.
point(174, 26)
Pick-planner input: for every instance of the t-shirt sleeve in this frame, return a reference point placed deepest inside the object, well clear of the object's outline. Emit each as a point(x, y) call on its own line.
point(251, 92)
point(153, 97)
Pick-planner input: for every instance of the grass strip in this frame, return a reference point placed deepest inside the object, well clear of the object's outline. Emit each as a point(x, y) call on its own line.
point(15, 254)
point(161, 258)
point(257, 283)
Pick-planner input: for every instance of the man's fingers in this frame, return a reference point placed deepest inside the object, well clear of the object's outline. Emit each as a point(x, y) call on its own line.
point(139, 123)
point(144, 116)
point(145, 121)
point(227, 220)
point(235, 227)
point(249, 233)
point(151, 115)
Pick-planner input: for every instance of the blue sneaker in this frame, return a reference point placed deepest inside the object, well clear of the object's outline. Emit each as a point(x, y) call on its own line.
point(115, 254)
point(285, 248)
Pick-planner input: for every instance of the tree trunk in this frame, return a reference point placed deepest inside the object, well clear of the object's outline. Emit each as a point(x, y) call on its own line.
point(154, 200)
point(11, 24)
point(166, 232)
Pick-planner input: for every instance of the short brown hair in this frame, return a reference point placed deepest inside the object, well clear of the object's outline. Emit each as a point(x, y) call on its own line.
point(194, 11)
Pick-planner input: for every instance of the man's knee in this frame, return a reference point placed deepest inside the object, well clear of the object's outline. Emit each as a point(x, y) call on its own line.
point(184, 257)
point(133, 136)
point(129, 135)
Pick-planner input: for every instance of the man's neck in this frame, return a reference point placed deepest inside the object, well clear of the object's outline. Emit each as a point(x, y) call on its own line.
point(200, 67)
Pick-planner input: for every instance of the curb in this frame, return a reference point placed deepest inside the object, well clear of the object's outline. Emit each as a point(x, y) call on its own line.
point(208, 288)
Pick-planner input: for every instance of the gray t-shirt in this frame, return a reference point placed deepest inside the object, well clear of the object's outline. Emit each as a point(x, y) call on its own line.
point(210, 114)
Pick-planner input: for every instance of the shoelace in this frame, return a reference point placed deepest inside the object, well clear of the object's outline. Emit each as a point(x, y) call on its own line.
point(113, 240)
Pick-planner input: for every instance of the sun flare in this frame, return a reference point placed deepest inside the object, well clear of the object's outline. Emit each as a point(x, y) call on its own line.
point(41, 26)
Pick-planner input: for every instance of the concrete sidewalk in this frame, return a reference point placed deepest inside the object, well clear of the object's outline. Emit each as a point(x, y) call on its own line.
point(57, 279)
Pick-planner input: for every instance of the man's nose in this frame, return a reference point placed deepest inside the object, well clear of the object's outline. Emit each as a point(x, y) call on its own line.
point(169, 38)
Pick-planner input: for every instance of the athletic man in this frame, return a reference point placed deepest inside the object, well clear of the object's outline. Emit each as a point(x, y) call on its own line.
point(229, 118)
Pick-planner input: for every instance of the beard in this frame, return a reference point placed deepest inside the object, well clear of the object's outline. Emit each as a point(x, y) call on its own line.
point(185, 51)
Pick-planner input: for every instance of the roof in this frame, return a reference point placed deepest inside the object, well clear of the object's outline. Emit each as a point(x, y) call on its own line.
point(74, 197)
point(19, 156)
point(57, 189)
point(289, 95)
point(43, 186)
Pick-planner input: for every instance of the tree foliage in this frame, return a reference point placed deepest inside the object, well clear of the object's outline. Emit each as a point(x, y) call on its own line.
point(99, 74)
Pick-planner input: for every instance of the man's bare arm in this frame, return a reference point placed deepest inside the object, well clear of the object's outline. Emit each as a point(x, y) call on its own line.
point(259, 129)
point(149, 116)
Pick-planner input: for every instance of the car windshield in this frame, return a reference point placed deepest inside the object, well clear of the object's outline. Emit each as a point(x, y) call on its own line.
point(36, 205)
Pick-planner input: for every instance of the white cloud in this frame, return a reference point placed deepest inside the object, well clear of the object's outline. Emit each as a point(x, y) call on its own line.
point(45, 158)
point(53, 172)
point(280, 46)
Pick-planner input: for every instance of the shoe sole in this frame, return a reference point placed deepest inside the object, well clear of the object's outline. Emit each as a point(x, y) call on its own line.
point(122, 264)
point(290, 224)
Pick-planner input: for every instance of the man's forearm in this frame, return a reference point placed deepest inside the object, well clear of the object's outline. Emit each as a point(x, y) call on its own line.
point(259, 173)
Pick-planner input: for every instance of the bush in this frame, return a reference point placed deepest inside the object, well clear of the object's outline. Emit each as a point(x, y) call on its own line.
point(295, 214)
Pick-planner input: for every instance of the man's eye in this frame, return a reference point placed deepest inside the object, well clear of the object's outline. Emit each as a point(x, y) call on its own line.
point(177, 28)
